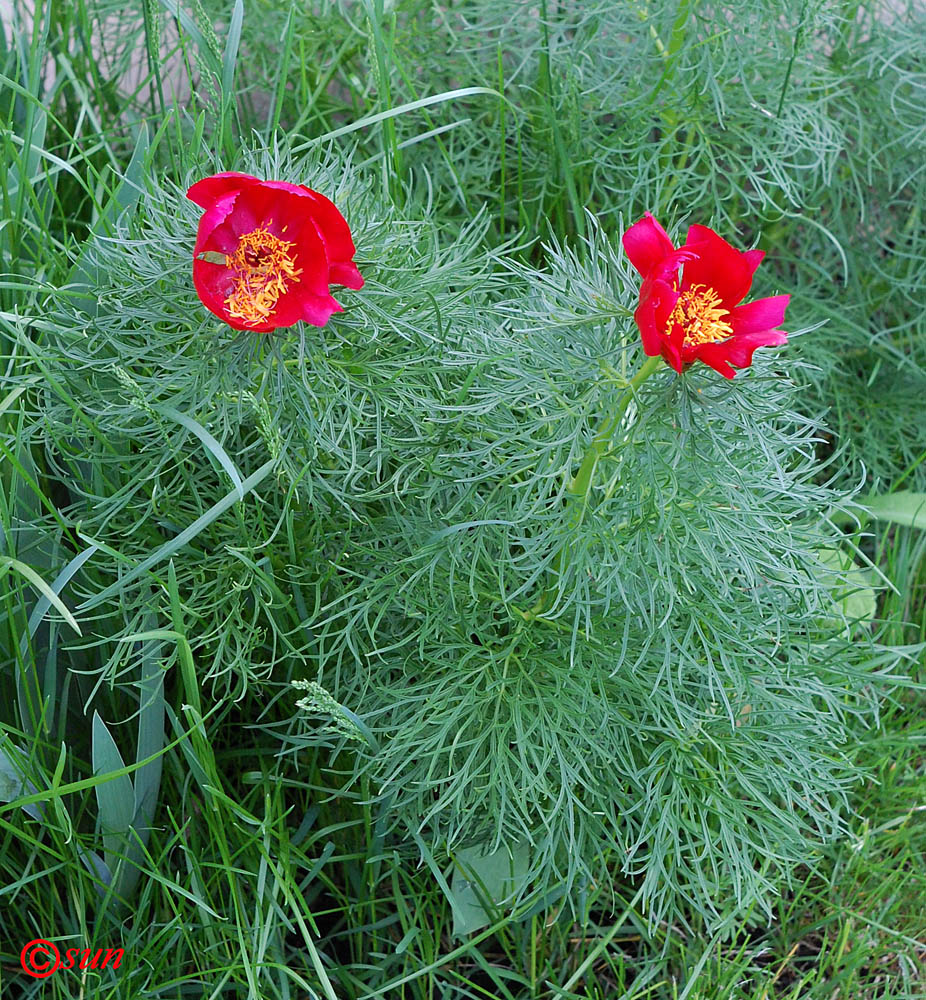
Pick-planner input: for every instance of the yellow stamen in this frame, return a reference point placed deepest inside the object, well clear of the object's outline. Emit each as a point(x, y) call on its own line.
point(263, 266)
point(699, 313)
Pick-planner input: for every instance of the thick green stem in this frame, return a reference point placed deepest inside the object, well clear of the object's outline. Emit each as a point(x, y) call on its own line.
point(581, 482)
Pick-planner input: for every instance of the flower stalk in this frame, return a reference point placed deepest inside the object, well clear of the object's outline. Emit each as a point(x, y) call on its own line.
point(581, 482)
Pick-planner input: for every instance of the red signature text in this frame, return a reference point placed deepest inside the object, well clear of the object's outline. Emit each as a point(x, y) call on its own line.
point(41, 958)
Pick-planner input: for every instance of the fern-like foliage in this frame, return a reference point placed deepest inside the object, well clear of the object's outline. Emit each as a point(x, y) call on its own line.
point(652, 678)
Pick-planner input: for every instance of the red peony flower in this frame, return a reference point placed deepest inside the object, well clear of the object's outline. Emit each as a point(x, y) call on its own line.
point(266, 252)
point(698, 316)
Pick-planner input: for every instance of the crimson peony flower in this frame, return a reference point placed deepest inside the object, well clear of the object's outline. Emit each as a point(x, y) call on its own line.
point(266, 252)
point(698, 316)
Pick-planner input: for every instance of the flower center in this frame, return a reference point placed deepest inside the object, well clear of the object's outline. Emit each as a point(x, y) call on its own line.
point(699, 313)
point(263, 266)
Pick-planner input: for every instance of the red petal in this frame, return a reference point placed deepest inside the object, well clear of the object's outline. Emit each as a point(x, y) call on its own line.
point(753, 258)
point(239, 324)
point(718, 265)
point(741, 348)
point(298, 304)
point(310, 254)
point(347, 275)
point(657, 300)
point(250, 212)
point(646, 243)
point(237, 204)
point(333, 230)
point(738, 350)
point(762, 314)
point(645, 318)
point(214, 283)
point(261, 205)
point(284, 186)
point(332, 226)
point(317, 311)
point(213, 219)
point(672, 355)
point(208, 190)
point(716, 359)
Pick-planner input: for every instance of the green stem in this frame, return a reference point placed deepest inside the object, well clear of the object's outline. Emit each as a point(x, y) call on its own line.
point(582, 480)
point(581, 483)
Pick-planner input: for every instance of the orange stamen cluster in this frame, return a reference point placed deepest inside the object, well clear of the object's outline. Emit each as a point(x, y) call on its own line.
point(699, 313)
point(263, 266)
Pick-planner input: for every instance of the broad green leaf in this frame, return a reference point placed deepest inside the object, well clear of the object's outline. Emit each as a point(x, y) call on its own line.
point(96, 866)
point(150, 736)
point(904, 507)
point(116, 796)
point(13, 784)
point(481, 880)
point(148, 776)
point(852, 591)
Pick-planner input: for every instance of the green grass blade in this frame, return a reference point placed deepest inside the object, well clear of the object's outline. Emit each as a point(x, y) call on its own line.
point(230, 56)
point(84, 275)
point(401, 109)
point(185, 536)
point(7, 563)
point(213, 446)
point(59, 583)
point(115, 794)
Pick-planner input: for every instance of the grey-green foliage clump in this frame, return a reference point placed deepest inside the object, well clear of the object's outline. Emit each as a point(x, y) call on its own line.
point(632, 105)
point(870, 259)
point(649, 676)
point(152, 411)
point(794, 121)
